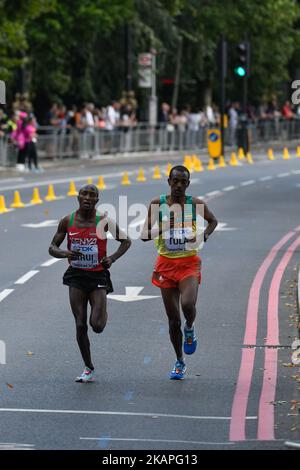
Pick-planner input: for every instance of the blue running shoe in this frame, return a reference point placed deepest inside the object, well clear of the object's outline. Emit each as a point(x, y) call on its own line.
point(86, 376)
point(177, 373)
point(190, 341)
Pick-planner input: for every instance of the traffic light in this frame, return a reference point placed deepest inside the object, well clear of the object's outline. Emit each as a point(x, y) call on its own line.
point(243, 59)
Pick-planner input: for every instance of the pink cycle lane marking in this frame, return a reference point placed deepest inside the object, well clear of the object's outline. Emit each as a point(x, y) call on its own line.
point(266, 408)
point(240, 401)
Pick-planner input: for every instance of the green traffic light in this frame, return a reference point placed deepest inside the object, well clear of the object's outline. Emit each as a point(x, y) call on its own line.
point(240, 71)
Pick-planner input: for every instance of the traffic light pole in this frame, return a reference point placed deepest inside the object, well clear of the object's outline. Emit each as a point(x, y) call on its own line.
point(223, 74)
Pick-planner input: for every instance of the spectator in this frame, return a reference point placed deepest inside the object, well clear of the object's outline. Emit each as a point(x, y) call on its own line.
point(112, 116)
point(18, 136)
point(31, 140)
point(163, 117)
point(233, 122)
point(287, 111)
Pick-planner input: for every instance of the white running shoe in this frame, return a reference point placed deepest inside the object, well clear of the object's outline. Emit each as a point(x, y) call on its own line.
point(86, 376)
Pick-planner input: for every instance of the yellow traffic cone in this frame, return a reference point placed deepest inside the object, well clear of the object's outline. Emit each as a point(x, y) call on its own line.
point(101, 184)
point(271, 154)
point(198, 165)
point(17, 201)
point(72, 189)
point(90, 180)
point(188, 163)
point(168, 169)
point(241, 154)
point(125, 180)
point(51, 194)
point(222, 163)
point(186, 160)
point(211, 164)
point(156, 173)
point(286, 154)
point(141, 176)
point(36, 197)
point(298, 152)
point(3, 207)
point(233, 160)
point(249, 158)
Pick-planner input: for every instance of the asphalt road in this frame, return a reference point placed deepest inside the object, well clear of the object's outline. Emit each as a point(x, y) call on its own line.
point(239, 389)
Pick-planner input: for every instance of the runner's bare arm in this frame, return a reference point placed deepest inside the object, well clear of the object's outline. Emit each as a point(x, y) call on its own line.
point(121, 237)
point(54, 249)
point(148, 233)
point(208, 216)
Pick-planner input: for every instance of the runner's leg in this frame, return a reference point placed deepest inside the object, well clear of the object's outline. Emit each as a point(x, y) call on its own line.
point(98, 318)
point(188, 288)
point(171, 302)
point(78, 301)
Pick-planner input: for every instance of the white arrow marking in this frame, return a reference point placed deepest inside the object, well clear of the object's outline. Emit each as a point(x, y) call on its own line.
point(46, 223)
point(131, 295)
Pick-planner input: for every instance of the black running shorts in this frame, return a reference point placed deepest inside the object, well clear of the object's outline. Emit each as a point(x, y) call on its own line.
point(88, 280)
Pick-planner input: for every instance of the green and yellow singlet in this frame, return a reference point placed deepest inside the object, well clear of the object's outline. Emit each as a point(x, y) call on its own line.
point(174, 242)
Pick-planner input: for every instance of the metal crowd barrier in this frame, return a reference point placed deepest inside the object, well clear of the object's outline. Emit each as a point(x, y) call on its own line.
point(58, 143)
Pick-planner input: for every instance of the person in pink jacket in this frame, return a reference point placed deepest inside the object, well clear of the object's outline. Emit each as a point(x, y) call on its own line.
point(18, 136)
point(31, 140)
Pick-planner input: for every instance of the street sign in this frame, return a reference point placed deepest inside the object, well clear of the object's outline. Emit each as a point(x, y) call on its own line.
point(2, 92)
point(214, 143)
point(145, 59)
point(145, 77)
point(145, 70)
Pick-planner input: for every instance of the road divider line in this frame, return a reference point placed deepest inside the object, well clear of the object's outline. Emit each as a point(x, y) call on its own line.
point(282, 175)
point(50, 262)
point(229, 188)
point(247, 183)
point(266, 178)
point(119, 413)
point(5, 293)
point(26, 277)
point(213, 193)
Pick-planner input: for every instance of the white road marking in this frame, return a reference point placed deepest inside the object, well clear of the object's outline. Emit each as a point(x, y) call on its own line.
point(131, 295)
point(247, 183)
point(5, 293)
point(266, 178)
point(63, 181)
point(15, 446)
point(26, 277)
point(170, 441)
point(50, 262)
point(44, 224)
point(119, 413)
point(296, 172)
point(11, 180)
point(229, 188)
point(222, 227)
point(282, 175)
point(213, 193)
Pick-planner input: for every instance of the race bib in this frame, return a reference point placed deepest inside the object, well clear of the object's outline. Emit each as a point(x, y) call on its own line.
point(88, 256)
point(177, 238)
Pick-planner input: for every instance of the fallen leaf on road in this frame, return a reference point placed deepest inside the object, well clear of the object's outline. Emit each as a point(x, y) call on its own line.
point(294, 404)
point(10, 386)
point(29, 353)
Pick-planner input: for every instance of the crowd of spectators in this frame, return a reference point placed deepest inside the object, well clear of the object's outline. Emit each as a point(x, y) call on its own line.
point(21, 127)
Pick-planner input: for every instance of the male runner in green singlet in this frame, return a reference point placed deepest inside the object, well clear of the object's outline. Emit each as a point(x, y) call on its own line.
point(177, 269)
point(88, 275)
